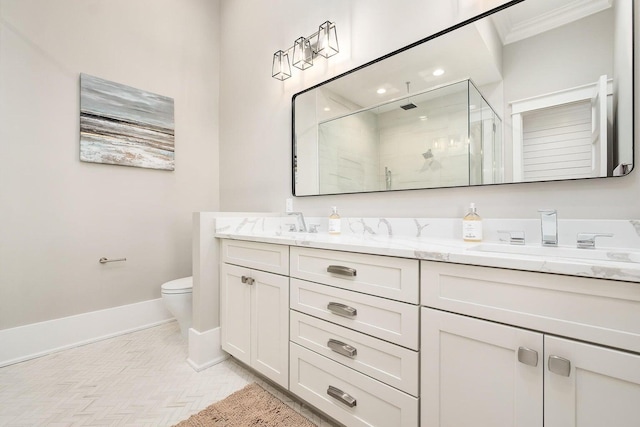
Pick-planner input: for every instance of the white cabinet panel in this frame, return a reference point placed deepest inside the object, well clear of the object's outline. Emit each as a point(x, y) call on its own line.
point(602, 387)
point(471, 374)
point(235, 312)
point(389, 363)
point(270, 326)
point(594, 310)
point(389, 320)
point(258, 256)
point(372, 402)
point(394, 278)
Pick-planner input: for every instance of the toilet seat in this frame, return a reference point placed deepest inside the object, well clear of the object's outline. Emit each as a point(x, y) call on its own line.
point(178, 286)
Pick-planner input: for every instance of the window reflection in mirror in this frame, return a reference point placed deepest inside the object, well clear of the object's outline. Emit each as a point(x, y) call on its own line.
point(540, 90)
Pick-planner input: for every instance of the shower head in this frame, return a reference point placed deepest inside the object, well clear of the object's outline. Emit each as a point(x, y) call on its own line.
point(408, 106)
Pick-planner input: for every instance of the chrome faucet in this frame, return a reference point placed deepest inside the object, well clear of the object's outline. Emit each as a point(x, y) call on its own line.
point(302, 225)
point(549, 226)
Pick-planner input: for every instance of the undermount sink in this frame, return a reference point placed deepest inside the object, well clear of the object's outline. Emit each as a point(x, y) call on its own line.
point(619, 255)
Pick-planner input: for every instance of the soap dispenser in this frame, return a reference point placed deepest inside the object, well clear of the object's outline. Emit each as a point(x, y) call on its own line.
point(472, 225)
point(334, 221)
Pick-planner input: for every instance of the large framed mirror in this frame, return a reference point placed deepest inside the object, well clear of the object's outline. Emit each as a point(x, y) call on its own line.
point(535, 90)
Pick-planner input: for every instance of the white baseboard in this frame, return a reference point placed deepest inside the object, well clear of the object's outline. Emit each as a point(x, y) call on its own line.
point(204, 349)
point(38, 339)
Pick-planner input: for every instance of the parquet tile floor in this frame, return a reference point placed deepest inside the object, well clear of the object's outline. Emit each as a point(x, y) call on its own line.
point(138, 379)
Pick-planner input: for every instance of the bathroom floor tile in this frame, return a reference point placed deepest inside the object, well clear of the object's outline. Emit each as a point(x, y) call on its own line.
point(137, 379)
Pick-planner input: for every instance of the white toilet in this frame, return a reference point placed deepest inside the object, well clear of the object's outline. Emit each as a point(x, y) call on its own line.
point(176, 295)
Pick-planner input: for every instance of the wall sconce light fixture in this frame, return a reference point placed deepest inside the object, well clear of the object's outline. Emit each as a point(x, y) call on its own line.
point(323, 42)
point(281, 68)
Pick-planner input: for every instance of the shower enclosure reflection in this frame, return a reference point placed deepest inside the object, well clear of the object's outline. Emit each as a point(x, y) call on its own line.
point(535, 90)
point(447, 136)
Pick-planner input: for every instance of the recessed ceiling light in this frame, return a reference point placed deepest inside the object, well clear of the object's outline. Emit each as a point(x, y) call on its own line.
point(423, 118)
point(327, 109)
point(381, 91)
point(438, 72)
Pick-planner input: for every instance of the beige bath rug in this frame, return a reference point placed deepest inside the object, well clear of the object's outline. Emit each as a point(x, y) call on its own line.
point(251, 406)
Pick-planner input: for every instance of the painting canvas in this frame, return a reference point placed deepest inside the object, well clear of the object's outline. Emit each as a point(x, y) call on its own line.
point(122, 125)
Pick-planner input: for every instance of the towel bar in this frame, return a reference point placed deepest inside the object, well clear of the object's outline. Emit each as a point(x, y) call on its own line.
point(105, 260)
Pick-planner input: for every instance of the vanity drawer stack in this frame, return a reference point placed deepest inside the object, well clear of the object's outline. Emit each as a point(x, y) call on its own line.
point(354, 335)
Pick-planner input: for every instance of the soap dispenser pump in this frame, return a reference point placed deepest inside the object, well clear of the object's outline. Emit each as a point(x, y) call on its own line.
point(472, 225)
point(334, 221)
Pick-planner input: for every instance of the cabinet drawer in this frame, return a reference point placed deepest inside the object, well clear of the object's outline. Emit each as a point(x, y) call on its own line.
point(596, 310)
point(374, 403)
point(389, 363)
point(260, 256)
point(389, 320)
point(388, 277)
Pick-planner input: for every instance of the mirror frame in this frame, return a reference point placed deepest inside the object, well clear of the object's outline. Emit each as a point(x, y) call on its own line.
point(427, 39)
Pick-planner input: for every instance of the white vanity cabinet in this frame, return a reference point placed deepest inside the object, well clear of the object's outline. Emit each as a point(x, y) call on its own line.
point(502, 347)
point(355, 336)
point(254, 309)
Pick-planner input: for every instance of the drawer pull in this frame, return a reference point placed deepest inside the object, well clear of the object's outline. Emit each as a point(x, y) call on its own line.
point(340, 395)
point(527, 356)
point(247, 280)
point(341, 270)
point(342, 348)
point(341, 309)
point(560, 365)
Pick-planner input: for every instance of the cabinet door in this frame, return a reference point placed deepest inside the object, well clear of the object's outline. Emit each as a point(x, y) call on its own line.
point(590, 386)
point(472, 376)
point(235, 312)
point(270, 326)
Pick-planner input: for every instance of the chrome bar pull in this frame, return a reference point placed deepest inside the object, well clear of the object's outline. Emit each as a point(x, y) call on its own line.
point(247, 280)
point(559, 365)
point(527, 356)
point(341, 396)
point(342, 270)
point(105, 260)
point(342, 309)
point(342, 348)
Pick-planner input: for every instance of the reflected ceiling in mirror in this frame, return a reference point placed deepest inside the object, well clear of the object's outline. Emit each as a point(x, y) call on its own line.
point(536, 90)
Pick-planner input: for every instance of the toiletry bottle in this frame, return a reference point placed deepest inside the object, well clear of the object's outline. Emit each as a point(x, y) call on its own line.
point(472, 225)
point(334, 221)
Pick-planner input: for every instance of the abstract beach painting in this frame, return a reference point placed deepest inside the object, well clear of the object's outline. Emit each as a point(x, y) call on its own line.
point(122, 125)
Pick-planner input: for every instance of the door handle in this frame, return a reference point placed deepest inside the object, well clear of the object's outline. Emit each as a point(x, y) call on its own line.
point(342, 270)
point(342, 348)
point(340, 395)
point(559, 365)
point(342, 309)
point(247, 280)
point(527, 356)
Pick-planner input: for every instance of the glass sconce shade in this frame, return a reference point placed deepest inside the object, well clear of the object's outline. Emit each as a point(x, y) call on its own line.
point(281, 68)
point(302, 53)
point(327, 44)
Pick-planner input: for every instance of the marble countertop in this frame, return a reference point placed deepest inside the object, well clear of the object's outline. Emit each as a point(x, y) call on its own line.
point(606, 263)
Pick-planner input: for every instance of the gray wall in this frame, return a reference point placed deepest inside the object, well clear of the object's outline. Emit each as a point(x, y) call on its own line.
point(58, 216)
point(255, 121)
